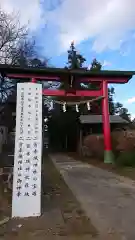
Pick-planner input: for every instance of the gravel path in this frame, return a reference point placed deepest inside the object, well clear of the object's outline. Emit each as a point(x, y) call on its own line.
point(108, 199)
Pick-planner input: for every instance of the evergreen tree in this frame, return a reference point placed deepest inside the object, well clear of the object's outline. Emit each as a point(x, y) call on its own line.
point(122, 111)
point(95, 65)
point(75, 60)
point(111, 93)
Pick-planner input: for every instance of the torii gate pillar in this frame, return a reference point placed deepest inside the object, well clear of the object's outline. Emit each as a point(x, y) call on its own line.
point(108, 154)
point(104, 77)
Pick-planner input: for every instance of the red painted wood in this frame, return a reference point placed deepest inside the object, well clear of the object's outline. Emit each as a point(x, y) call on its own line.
point(86, 93)
point(56, 78)
point(101, 79)
point(105, 116)
point(33, 80)
point(47, 78)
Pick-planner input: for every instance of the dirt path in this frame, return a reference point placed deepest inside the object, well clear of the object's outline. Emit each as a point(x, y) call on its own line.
point(108, 199)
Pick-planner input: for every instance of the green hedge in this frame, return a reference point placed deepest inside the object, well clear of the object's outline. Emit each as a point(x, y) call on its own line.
point(126, 159)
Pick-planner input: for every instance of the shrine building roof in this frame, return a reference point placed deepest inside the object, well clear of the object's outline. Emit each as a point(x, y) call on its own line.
point(94, 119)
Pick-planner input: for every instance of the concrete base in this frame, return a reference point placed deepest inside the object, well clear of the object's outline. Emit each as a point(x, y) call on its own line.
point(108, 156)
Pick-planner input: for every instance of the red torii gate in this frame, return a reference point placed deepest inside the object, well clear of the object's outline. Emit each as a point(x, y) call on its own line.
point(58, 74)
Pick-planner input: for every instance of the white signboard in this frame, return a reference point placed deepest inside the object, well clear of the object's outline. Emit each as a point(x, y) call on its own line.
point(26, 199)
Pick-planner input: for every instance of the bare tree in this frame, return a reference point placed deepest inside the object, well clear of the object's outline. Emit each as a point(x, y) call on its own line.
point(16, 48)
point(23, 53)
point(11, 34)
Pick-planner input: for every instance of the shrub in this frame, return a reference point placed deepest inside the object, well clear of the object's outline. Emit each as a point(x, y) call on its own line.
point(126, 159)
point(94, 145)
point(124, 141)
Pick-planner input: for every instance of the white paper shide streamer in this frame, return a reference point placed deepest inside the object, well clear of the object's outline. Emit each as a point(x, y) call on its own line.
point(64, 107)
point(88, 106)
point(77, 109)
